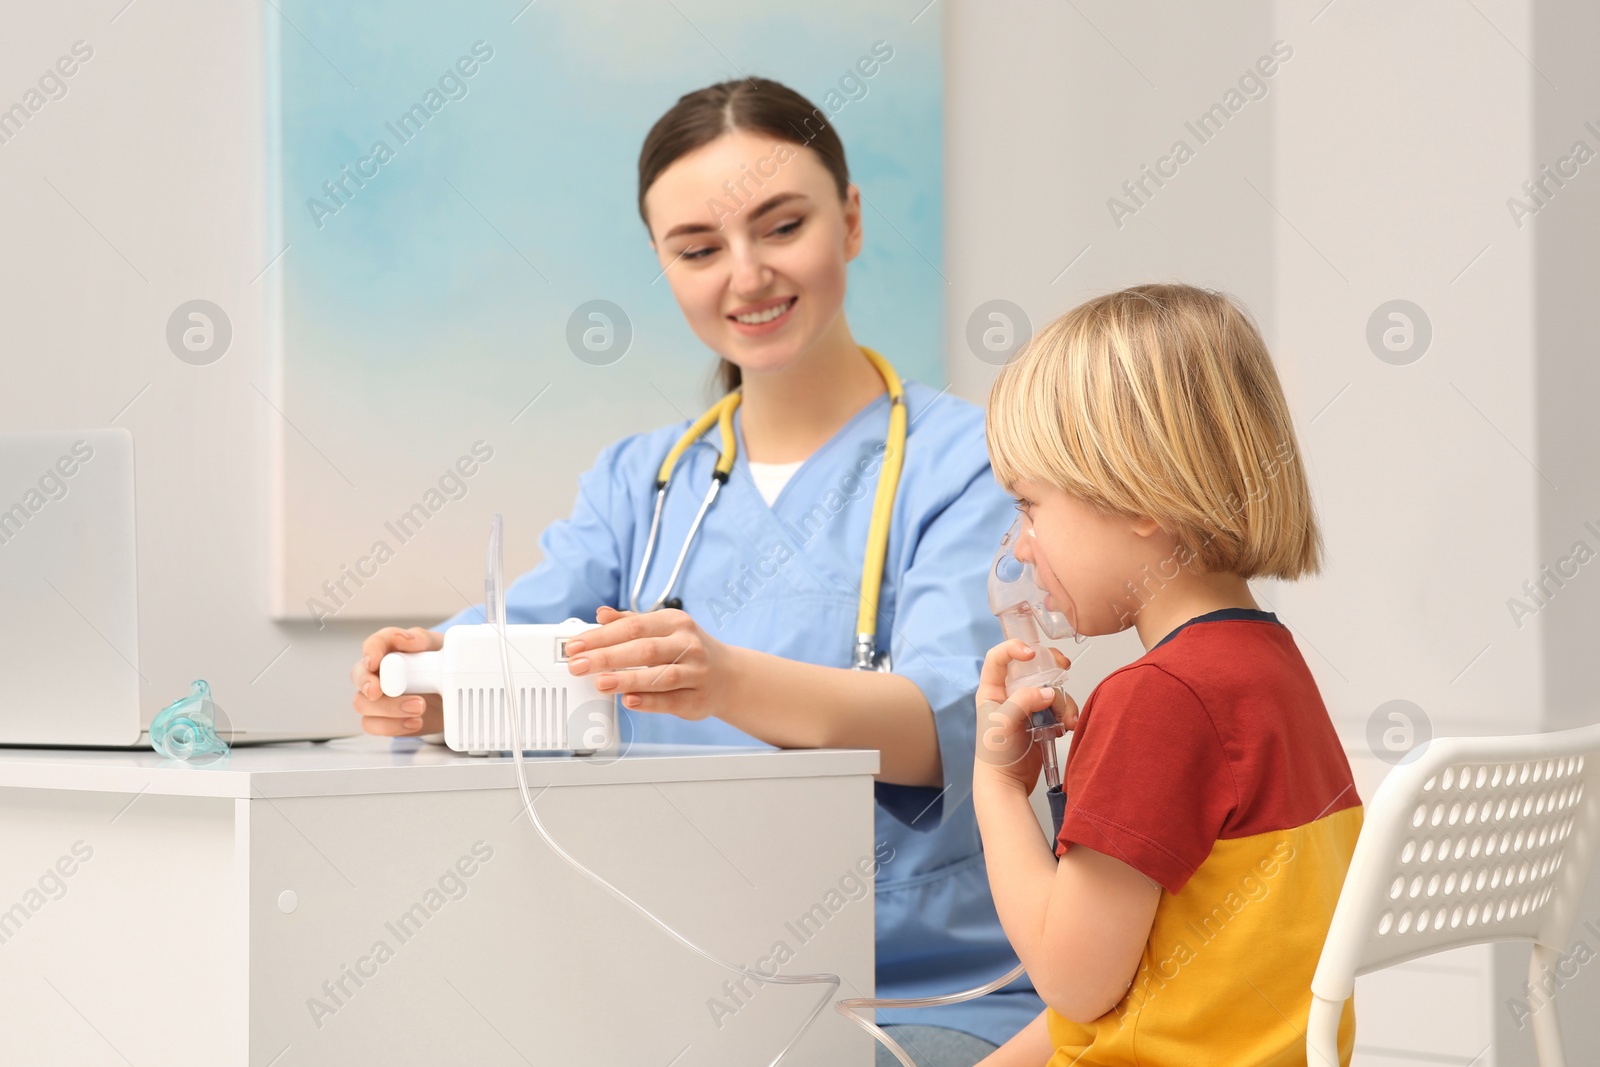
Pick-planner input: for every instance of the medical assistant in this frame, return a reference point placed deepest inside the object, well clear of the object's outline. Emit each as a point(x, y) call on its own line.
point(784, 579)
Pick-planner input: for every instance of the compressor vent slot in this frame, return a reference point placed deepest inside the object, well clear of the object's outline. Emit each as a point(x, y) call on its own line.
point(485, 724)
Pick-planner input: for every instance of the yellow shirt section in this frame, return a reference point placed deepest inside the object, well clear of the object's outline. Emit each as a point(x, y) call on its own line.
point(1226, 974)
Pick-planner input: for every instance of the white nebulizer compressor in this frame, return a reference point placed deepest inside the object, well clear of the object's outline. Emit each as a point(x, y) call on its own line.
point(559, 711)
point(549, 709)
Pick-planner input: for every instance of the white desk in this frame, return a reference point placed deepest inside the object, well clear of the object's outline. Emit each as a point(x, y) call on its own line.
point(158, 914)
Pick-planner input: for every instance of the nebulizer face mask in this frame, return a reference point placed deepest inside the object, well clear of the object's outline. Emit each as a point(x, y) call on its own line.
point(1020, 604)
point(192, 729)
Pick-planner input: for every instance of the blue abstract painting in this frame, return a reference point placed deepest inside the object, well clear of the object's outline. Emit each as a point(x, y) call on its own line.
point(450, 183)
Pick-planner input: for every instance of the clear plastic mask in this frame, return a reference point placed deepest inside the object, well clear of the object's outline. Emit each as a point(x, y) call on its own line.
point(1014, 591)
point(1018, 602)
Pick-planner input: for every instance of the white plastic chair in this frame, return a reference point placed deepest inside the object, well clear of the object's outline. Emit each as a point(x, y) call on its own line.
point(1468, 840)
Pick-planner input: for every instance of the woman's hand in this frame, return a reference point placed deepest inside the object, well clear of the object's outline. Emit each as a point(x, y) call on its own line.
point(659, 661)
point(1004, 747)
point(395, 716)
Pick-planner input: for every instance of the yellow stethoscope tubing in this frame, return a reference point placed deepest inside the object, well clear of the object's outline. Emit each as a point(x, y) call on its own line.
point(882, 506)
point(721, 413)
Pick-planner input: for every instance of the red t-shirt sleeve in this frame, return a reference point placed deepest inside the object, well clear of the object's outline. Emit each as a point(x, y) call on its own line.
point(1146, 779)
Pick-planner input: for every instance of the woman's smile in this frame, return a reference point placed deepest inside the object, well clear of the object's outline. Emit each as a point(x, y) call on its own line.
point(768, 316)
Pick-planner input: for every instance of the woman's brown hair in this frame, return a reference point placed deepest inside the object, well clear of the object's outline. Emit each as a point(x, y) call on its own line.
point(754, 105)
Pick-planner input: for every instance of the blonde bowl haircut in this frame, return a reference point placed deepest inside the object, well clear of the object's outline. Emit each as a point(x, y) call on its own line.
point(1162, 401)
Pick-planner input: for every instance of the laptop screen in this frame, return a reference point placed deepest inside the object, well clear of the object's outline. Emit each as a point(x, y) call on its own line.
point(69, 622)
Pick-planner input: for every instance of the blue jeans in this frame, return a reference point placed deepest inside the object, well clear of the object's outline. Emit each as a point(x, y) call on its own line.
point(933, 1046)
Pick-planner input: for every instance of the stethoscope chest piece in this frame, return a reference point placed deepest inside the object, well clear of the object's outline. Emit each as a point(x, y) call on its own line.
point(867, 658)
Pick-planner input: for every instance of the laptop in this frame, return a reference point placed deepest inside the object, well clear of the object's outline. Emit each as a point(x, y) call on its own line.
point(69, 605)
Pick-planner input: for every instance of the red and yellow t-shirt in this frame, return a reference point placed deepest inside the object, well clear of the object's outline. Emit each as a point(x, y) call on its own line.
point(1211, 766)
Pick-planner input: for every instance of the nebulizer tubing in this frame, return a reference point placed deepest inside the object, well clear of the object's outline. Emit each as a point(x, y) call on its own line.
point(1017, 601)
point(495, 612)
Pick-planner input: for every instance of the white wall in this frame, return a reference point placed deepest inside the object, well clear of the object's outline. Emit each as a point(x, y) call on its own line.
point(1377, 167)
point(139, 190)
point(1357, 180)
point(1566, 276)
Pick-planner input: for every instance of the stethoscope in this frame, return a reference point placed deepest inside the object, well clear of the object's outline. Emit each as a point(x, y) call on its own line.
point(866, 655)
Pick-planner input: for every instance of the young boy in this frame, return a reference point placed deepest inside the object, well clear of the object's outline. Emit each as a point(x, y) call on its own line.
point(1210, 813)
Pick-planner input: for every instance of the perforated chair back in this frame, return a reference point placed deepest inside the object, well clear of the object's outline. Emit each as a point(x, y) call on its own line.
point(1469, 840)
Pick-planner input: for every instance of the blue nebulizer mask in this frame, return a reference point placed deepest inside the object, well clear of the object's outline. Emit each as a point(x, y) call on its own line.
point(187, 729)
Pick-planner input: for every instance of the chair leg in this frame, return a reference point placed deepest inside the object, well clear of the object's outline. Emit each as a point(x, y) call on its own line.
point(1546, 1024)
point(1322, 1032)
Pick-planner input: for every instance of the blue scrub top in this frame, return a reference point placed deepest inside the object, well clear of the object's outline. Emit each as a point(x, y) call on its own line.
point(785, 580)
